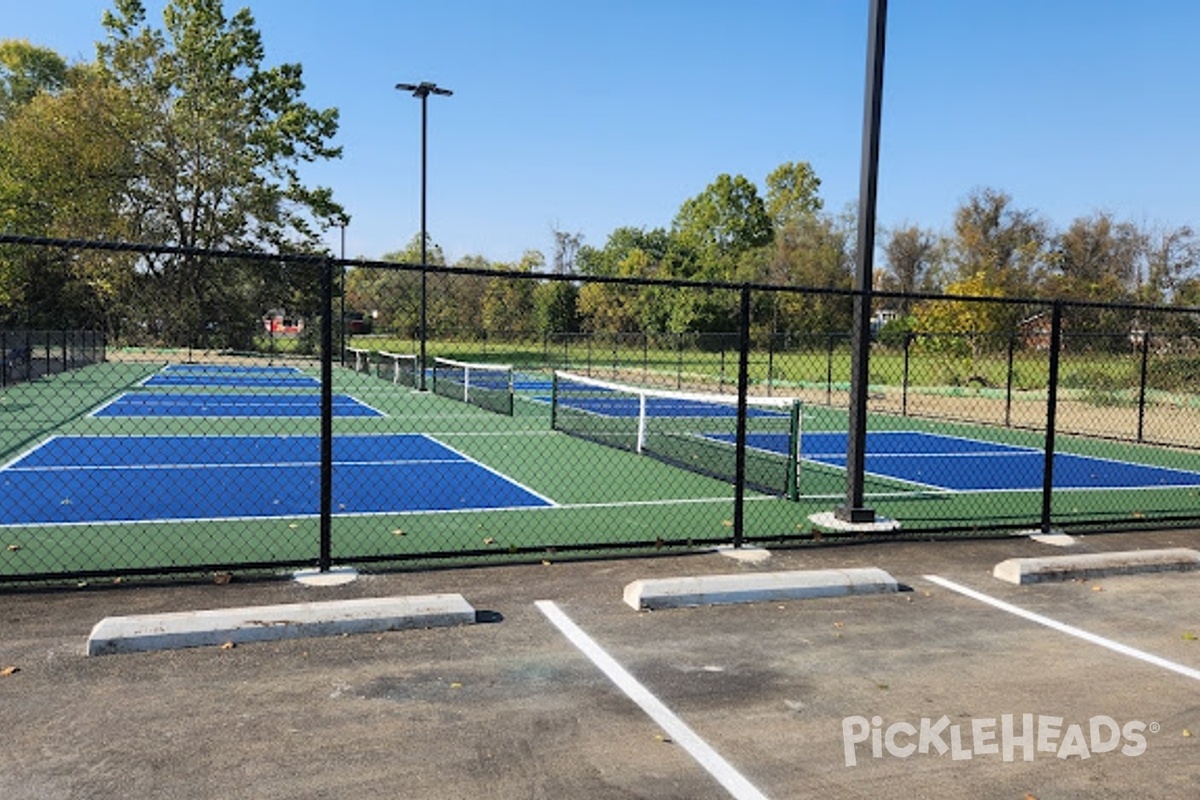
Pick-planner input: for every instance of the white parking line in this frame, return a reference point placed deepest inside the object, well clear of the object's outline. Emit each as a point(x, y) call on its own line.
point(733, 781)
point(1070, 630)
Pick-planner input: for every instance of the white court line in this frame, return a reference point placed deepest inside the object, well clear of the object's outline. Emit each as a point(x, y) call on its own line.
point(732, 780)
point(1070, 630)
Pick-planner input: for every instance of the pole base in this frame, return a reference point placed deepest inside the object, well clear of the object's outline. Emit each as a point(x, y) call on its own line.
point(855, 516)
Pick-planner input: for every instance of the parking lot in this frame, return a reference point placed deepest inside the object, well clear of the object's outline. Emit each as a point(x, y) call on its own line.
point(561, 690)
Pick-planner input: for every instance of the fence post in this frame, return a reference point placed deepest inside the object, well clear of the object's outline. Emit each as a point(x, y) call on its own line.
point(908, 337)
point(645, 357)
point(326, 546)
point(770, 362)
point(1142, 386)
point(1051, 409)
point(679, 368)
point(1012, 346)
point(423, 315)
point(739, 487)
point(829, 371)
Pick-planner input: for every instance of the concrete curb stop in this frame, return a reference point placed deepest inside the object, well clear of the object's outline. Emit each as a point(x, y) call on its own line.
point(760, 587)
point(1095, 565)
point(143, 632)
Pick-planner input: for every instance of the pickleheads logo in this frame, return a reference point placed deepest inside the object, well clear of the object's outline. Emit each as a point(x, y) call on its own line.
point(1027, 734)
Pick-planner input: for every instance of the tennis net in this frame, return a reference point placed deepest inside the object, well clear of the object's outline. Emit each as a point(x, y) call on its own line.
point(358, 359)
point(489, 386)
point(693, 431)
point(399, 368)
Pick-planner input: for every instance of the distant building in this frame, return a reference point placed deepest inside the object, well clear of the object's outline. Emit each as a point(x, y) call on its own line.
point(280, 323)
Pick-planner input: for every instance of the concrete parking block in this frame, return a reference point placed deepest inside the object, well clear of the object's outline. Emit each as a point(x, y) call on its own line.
point(1095, 565)
point(756, 587)
point(142, 632)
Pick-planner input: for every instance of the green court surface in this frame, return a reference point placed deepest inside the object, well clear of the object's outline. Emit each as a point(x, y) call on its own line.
point(602, 498)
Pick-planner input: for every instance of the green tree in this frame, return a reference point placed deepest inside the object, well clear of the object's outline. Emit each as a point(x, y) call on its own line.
point(507, 306)
point(792, 194)
point(222, 139)
point(66, 165)
point(26, 71)
point(719, 224)
point(394, 294)
point(555, 307)
point(959, 330)
point(813, 251)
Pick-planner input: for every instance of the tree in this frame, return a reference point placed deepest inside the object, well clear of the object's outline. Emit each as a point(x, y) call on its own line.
point(66, 164)
point(1172, 259)
point(394, 294)
point(911, 255)
point(555, 307)
point(618, 307)
point(1097, 259)
point(27, 71)
point(507, 304)
point(719, 224)
point(814, 251)
point(222, 138)
point(960, 329)
point(1005, 244)
point(566, 251)
point(792, 193)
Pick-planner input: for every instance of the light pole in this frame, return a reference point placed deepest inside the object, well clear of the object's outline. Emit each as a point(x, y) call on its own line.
point(423, 90)
point(853, 511)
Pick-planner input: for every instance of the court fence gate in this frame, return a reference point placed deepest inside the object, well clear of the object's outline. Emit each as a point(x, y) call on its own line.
point(186, 431)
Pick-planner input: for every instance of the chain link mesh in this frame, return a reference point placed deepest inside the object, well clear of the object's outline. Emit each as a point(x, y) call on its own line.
point(190, 440)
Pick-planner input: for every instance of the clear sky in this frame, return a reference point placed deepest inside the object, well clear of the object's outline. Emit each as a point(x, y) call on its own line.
point(586, 116)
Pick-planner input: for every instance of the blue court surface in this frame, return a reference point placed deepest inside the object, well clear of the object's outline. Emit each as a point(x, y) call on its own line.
point(959, 464)
point(232, 379)
point(214, 404)
point(113, 479)
point(228, 369)
point(236, 375)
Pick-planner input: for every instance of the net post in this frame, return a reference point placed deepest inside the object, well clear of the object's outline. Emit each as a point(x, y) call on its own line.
point(554, 400)
point(641, 428)
point(793, 462)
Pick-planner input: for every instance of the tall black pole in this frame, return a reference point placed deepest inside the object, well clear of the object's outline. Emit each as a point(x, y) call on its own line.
point(853, 510)
point(325, 557)
point(424, 272)
point(342, 317)
point(423, 90)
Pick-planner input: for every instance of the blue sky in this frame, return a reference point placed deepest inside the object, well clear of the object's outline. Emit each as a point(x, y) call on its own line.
point(587, 116)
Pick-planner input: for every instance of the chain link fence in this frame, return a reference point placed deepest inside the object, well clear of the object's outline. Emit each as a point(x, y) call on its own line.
point(258, 432)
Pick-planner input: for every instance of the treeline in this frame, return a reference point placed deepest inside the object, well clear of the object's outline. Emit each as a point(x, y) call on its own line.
point(732, 233)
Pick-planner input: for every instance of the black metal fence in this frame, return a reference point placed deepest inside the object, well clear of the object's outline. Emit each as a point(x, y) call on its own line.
point(214, 443)
point(32, 354)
